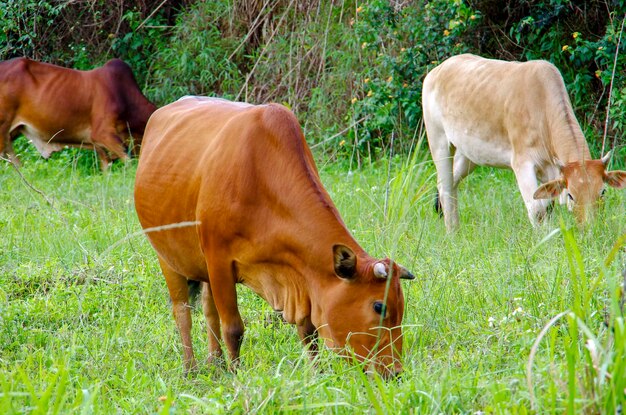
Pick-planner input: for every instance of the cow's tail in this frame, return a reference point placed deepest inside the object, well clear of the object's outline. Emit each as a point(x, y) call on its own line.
point(438, 207)
point(195, 288)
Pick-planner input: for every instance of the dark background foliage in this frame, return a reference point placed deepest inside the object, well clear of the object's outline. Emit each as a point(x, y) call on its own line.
point(351, 70)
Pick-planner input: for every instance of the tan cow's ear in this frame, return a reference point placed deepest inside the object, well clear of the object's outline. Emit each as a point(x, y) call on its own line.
point(550, 190)
point(616, 179)
point(345, 261)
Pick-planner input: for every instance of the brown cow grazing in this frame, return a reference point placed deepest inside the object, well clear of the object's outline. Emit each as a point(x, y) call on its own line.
point(512, 115)
point(56, 107)
point(245, 175)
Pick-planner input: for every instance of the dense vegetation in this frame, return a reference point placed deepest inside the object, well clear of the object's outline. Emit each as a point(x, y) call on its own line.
point(351, 70)
point(503, 318)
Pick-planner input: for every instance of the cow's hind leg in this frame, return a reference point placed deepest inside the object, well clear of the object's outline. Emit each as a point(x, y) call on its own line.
point(213, 323)
point(179, 293)
point(462, 167)
point(443, 154)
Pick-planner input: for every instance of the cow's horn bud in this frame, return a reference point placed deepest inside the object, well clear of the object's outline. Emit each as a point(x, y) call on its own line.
point(379, 270)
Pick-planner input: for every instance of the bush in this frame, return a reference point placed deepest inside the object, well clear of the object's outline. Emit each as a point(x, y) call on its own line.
point(197, 59)
point(352, 72)
point(47, 30)
point(580, 38)
point(399, 45)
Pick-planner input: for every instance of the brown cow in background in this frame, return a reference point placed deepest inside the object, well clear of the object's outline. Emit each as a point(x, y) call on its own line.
point(244, 178)
point(54, 107)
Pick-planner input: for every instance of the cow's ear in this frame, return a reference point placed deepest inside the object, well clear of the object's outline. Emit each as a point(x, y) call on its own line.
point(616, 179)
point(345, 261)
point(550, 190)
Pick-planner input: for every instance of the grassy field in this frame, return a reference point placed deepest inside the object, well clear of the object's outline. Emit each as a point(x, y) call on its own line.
point(502, 318)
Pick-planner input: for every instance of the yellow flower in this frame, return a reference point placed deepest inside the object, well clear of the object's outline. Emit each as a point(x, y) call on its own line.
point(370, 93)
point(575, 35)
point(359, 9)
point(404, 85)
point(598, 73)
point(342, 142)
point(402, 49)
point(390, 79)
point(565, 47)
point(354, 100)
point(446, 32)
point(363, 45)
point(473, 17)
point(366, 80)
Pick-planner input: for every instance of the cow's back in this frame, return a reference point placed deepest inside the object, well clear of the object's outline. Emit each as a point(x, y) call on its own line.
point(229, 166)
point(41, 91)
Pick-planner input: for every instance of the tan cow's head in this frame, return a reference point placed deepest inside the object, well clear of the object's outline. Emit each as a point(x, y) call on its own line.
point(363, 311)
point(584, 182)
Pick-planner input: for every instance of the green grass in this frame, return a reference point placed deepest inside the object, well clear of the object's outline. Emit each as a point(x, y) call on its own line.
point(85, 324)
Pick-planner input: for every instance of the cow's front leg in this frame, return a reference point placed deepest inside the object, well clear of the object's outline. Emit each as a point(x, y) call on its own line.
point(106, 140)
point(308, 336)
point(222, 281)
point(6, 144)
point(527, 182)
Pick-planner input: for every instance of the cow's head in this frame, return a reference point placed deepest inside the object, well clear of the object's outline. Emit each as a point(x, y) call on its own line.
point(361, 314)
point(584, 182)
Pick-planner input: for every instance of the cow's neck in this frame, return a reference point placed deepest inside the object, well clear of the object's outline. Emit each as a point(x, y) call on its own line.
point(306, 228)
point(568, 142)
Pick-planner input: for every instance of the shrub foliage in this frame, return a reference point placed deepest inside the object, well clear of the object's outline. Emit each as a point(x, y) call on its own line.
point(351, 70)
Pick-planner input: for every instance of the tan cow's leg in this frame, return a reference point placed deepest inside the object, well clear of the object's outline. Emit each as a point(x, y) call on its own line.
point(527, 183)
point(462, 168)
point(179, 293)
point(443, 159)
point(442, 152)
point(213, 323)
point(225, 299)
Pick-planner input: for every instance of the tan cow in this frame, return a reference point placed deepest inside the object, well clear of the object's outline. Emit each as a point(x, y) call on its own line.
point(55, 107)
point(245, 176)
point(512, 115)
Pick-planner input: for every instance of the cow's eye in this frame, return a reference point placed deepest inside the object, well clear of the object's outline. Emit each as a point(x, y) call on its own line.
point(602, 192)
point(570, 197)
point(380, 308)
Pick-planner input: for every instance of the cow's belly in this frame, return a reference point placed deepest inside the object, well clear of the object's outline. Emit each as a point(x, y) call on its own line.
point(481, 147)
point(165, 205)
point(48, 141)
point(180, 249)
